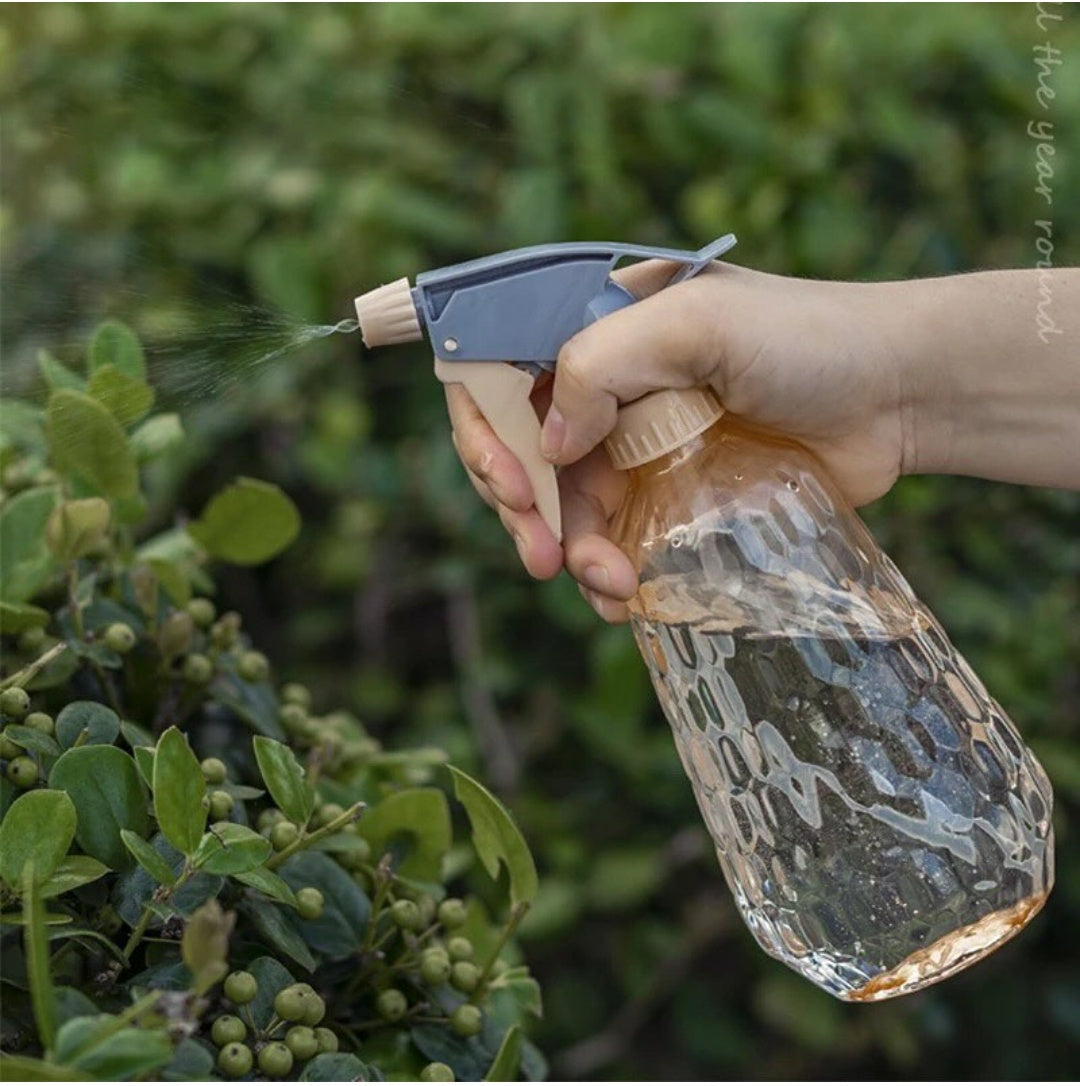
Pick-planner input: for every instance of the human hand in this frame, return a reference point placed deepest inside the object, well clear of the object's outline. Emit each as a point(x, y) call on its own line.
point(807, 359)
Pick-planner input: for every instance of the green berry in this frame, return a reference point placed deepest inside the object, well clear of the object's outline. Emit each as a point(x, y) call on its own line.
point(284, 834)
point(32, 640)
point(327, 813)
point(120, 637)
point(327, 1039)
point(214, 770)
point(202, 611)
point(15, 702)
point(40, 722)
point(296, 694)
point(235, 1059)
point(309, 903)
point(221, 805)
point(426, 904)
point(460, 948)
point(223, 633)
point(437, 1072)
point(452, 913)
point(9, 748)
point(406, 915)
point(293, 717)
point(357, 856)
point(275, 1059)
point(241, 987)
point(302, 1042)
point(290, 1003)
point(467, 1020)
point(228, 1029)
point(270, 817)
point(391, 1005)
point(315, 1010)
point(22, 772)
point(198, 669)
point(435, 966)
point(464, 976)
point(253, 667)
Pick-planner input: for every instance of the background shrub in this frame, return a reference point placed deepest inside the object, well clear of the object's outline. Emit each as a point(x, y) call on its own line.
point(219, 177)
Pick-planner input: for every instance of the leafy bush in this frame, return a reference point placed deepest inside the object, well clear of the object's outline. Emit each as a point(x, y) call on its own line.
point(201, 875)
point(216, 174)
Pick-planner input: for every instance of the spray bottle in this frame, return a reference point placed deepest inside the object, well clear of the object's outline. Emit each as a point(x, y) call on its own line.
point(878, 818)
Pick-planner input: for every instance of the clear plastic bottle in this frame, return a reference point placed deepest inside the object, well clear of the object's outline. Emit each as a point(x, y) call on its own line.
point(877, 816)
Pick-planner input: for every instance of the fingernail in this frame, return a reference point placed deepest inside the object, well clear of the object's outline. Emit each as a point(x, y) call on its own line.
point(597, 577)
point(553, 434)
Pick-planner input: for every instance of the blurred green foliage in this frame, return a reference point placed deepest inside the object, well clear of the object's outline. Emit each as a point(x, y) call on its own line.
point(218, 175)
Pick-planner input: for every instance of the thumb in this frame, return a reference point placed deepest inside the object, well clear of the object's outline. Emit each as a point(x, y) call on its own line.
point(668, 340)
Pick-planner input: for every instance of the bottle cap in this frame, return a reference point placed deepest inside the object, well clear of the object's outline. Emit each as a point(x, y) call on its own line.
point(387, 315)
point(660, 422)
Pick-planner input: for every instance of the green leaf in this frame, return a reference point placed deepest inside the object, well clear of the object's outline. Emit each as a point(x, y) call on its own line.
point(191, 1062)
point(16, 617)
point(156, 436)
point(414, 825)
point(228, 848)
point(38, 968)
point(247, 523)
point(525, 991)
point(96, 1045)
point(144, 762)
point(273, 925)
point(271, 976)
point(57, 375)
point(204, 945)
point(98, 721)
point(340, 929)
point(75, 528)
point(497, 838)
point(109, 796)
point(33, 740)
point(334, 1067)
point(25, 561)
point(285, 779)
point(115, 344)
point(148, 858)
point(27, 1069)
point(174, 579)
point(128, 398)
point(254, 703)
point(72, 872)
point(87, 442)
point(39, 827)
point(179, 789)
point(507, 1062)
point(21, 426)
point(269, 883)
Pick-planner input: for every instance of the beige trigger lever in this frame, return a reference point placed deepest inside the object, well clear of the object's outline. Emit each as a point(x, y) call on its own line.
point(501, 392)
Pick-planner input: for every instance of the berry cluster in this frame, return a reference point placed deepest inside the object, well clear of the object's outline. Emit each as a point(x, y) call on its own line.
point(292, 1036)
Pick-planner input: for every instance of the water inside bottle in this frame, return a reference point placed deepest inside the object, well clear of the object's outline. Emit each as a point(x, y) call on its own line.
point(878, 818)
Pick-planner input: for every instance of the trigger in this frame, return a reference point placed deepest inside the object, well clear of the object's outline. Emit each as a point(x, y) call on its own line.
point(501, 392)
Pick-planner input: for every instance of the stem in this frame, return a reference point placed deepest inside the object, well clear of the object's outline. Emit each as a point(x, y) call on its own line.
point(138, 1007)
point(76, 610)
point(306, 840)
point(24, 675)
point(138, 932)
point(517, 914)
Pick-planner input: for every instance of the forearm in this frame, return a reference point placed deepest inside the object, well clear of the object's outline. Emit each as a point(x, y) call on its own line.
point(991, 374)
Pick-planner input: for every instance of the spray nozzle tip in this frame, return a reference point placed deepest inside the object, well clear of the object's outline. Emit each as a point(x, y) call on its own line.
point(388, 315)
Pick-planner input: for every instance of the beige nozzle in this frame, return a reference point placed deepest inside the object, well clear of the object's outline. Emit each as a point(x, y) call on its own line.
point(388, 315)
point(660, 422)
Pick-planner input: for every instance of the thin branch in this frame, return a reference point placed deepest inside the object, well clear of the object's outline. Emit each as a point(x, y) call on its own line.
point(500, 759)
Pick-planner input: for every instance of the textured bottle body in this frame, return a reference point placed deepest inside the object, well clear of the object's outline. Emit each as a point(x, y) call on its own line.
point(877, 816)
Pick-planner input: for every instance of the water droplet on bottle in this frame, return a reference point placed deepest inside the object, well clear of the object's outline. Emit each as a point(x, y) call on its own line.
point(792, 485)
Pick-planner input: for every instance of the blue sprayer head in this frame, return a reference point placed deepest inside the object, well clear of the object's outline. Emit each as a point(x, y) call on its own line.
point(517, 307)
